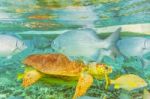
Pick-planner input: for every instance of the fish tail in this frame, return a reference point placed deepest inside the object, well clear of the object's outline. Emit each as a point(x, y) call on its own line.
point(114, 37)
point(146, 63)
point(111, 81)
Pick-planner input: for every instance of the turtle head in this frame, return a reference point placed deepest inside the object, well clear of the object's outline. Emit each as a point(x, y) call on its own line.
point(99, 70)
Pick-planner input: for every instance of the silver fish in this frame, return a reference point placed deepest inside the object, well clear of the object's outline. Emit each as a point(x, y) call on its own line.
point(135, 47)
point(10, 45)
point(85, 44)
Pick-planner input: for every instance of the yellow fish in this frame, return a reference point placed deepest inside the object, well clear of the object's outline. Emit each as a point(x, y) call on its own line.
point(146, 94)
point(128, 82)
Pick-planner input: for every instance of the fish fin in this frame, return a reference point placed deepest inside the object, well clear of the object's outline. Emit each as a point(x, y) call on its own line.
point(96, 55)
point(103, 53)
point(113, 82)
point(146, 63)
point(14, 50)
point(146, 91)
point(17, 47)
point(113, 38)
point(84, 82)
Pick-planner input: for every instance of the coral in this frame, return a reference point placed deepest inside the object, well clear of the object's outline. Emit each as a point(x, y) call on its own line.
point(5, 81)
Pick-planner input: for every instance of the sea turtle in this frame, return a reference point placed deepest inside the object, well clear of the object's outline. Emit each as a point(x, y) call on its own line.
point(59, 65)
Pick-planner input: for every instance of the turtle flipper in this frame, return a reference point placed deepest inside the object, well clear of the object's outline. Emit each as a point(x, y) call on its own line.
point(31, 77)
point(84, 82)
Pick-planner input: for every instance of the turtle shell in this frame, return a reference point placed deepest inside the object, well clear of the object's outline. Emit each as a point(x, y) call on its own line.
point(54, 64)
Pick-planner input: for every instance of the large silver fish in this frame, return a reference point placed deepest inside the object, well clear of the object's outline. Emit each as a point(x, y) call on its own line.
point(10, 45)
point(135, 47)
point(85, 44)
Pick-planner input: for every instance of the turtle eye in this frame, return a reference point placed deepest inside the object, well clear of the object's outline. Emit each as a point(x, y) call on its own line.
point(106, 67)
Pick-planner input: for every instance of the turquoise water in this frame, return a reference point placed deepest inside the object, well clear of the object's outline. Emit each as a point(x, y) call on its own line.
point(38, 22)
point(44, 15)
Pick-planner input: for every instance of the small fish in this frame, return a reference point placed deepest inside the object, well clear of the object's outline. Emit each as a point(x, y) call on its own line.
point(10, 45)
point(135, 47)
point(85, 44)
point(128, 82)
point(146, 94)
